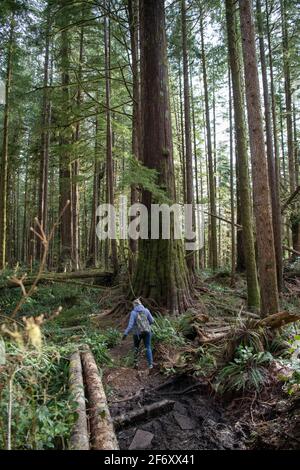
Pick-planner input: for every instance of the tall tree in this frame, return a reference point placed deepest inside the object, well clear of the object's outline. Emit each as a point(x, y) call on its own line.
point(212, 190)
point(4, 154)
point(161, 274)
point(273, 179)
point(261, 190)
point(295, 219)
point(187, 127)
point(109, 154)
point(45, 137)
point(65, 142)
point(234, 47)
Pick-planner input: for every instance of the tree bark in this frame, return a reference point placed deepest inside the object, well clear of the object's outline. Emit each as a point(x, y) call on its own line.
point(79, 437)
point(261, 190)
point(102, 431)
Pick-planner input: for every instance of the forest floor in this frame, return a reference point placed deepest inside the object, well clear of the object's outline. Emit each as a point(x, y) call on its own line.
point(260, 411)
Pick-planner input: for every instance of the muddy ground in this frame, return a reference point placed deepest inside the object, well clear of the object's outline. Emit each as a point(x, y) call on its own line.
point(198, 419)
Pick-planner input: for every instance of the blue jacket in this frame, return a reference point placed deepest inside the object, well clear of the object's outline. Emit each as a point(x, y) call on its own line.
point(133, 316)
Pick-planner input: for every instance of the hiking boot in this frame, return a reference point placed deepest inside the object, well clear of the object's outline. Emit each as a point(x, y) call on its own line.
point(151, 366)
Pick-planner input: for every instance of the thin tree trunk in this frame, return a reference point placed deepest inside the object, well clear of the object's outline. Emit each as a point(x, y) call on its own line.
point(212, 196)
point(187, 129)
point(44, 157)
point(4, 154)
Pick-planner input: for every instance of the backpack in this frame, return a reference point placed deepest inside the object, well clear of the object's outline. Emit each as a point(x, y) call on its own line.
point(142, 323)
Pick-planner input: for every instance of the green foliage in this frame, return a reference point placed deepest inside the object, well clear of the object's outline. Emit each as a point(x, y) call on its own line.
point(165, 330)
point(246, 373)
point(42, 410)
point(147, 178)
point(206, 362)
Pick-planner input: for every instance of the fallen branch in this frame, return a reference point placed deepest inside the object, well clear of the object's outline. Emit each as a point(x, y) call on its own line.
point(79, 437)
point(224, 220)
point(295, 252)
point(277, 320)
point(102, 431)
point(142, 414)
point(105, 278)
point(290, 199)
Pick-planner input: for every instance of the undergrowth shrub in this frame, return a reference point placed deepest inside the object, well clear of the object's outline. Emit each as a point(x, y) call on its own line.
point(247, 372)
point(34, 398)
point(165, 330)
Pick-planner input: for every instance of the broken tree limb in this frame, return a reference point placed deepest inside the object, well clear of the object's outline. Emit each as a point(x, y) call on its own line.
point(102, 430)
point(291, 250)
point(79, 437)
point(277, 320)
point(290, 199)
point(238, 226)
point(142, 414)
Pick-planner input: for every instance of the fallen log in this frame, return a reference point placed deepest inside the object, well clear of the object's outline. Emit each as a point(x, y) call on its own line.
point(272, 322)
point(277, 320)
point(142, 414)
point(102, 430)
point(79, 436)
point(105, 278)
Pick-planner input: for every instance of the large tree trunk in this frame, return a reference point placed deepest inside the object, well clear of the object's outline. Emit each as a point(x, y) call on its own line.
point(4, 155)
point(242, 156)
point(133, 18)
point(161, 274)
point(261, 190)
point(213, 246)
point(273, 180)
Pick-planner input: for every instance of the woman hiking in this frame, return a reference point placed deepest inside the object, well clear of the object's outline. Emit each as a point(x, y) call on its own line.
point(139, 323)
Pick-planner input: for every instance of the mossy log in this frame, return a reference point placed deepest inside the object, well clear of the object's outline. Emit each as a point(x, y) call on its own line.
point(142, 414)
point(102, 430)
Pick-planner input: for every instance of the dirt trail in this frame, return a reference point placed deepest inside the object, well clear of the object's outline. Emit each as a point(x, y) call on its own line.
point(196, 420)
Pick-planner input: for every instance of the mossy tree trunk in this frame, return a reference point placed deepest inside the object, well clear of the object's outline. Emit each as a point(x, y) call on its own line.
point(161, 274)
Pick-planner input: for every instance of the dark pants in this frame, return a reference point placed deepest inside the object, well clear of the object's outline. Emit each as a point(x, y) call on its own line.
point(146, 337)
